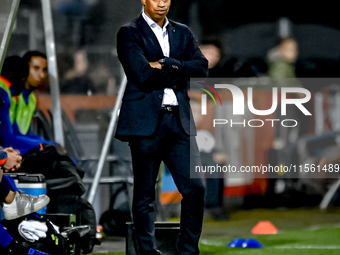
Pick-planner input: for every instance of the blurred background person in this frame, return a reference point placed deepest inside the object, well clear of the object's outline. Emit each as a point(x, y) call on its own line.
point(211, 48)
point(220, 65)
point(103, 81)
point(210, 157)
point(76, 80)
point(281, 59)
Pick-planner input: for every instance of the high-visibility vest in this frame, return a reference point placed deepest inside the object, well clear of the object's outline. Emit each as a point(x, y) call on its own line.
point(6, 85)
point(24, 112)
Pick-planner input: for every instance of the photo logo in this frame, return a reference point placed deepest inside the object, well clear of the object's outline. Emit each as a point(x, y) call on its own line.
point(239, 102)
point(204, 97)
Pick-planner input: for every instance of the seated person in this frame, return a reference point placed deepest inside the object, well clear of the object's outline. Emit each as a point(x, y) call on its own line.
point(27, 100)
point(14, 73)
point(16, 205)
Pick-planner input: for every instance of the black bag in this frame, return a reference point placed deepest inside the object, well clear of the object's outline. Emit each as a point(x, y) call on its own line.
point(61, 173)
point(64, 187)
point(71, 204)
point(114, 220)
point(54, 243)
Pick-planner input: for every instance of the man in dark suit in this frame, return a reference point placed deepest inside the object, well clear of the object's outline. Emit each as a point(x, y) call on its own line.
point(159, 56)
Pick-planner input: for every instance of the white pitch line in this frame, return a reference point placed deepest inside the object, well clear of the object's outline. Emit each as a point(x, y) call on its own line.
point(312, 247)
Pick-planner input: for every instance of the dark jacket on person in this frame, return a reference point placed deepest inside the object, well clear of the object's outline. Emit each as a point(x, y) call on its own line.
point(137, 45)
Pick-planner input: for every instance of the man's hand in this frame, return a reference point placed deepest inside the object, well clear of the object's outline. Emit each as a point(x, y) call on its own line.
point(13, 160)
point(155, 65)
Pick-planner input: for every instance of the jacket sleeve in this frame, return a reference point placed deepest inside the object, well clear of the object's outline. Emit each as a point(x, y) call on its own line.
point(195, 66)
point(136, 65)
point(3, 157)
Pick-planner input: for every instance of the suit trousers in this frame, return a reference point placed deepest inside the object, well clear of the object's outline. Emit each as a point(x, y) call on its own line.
point(178, 151)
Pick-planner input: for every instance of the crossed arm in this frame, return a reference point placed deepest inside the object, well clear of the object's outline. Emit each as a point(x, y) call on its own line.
point(147, 73)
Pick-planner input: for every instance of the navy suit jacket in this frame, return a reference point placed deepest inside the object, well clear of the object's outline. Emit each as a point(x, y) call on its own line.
point(137, 45)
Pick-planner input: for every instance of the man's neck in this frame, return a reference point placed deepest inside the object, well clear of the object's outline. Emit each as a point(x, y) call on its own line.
point(160, 23)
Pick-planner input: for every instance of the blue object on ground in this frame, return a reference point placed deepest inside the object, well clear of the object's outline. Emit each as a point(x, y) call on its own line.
point(245, 243)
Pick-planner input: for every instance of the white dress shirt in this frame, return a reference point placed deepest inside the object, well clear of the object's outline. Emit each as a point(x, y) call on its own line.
point(161, 33)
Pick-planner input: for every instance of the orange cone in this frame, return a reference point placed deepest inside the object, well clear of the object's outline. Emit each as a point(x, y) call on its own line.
point(264, 228)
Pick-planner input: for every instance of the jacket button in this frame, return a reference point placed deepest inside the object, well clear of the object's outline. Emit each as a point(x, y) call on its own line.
point(160, 96)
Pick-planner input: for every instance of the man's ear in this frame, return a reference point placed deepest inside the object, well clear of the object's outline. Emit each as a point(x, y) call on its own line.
point(143, 2)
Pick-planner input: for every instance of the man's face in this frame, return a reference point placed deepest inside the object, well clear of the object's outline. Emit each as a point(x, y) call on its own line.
point(37, 72)
point(157, 9)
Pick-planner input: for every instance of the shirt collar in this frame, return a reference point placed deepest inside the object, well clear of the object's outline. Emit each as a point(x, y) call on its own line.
point(152, 23)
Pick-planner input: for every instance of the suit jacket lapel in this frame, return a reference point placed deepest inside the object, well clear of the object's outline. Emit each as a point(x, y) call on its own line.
point(151, 37)
point(172, 40)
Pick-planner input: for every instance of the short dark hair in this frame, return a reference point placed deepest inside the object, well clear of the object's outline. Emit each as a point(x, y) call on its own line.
point(14, 69)
point(29, 54)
